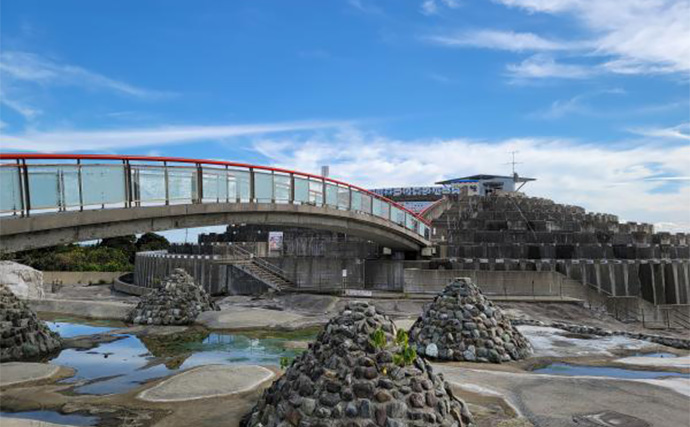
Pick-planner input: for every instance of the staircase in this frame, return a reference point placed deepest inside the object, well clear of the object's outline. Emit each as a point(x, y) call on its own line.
point(261, 270)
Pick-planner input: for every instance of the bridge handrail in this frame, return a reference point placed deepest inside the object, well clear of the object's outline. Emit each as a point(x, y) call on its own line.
point(22, 201)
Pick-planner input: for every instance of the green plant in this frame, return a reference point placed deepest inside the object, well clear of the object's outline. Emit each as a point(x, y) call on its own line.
point(378, 338)
point(406, 355)
point(284, 362)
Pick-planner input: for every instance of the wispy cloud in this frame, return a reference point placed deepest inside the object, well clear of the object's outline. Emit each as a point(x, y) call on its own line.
point(680, 132)
point(639, 36)
point(543, 66)
point(502, 40)
point(566, 171)
point(574, 105)
point(433, 7)
point(99, 140)
point(32, 68)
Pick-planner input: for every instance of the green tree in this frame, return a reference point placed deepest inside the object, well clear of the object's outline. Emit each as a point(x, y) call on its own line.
point(152, 242)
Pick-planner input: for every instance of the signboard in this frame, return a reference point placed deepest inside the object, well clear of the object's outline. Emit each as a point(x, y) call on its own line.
point(275, 240)
point(357, 293)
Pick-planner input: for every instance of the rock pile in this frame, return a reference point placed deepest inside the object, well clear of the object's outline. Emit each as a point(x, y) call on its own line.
point(460, 324)
point(178, 301)
point(23, 336)
point(354, 375)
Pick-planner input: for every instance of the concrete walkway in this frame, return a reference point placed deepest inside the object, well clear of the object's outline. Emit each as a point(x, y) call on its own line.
point(13, 373)
point(555, 401)
point(207, 382)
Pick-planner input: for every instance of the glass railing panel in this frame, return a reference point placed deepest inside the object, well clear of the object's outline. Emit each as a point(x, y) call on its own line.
point(301, 190)
point(316, 192)
point(356, 201)
point(43, 187)
point(243, 183)
point(410, 222)
point(149, 183)
point(182, 184)
point(377, 207)
point(386, 210)
point(103, 184)
point(344, 198)
point(397, 215)
point(281, 188)
point(424, 230)
point(69, 186)
point(10, 193)
point(332, 195)
point(263, 187)
point(215, 185)
point(366, 203)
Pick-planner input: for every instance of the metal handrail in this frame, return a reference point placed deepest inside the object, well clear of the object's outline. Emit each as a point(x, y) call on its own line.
point(410, 220)
point(251, 256)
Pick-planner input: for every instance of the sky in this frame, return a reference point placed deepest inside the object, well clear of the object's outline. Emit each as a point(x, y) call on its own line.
point(594, 95)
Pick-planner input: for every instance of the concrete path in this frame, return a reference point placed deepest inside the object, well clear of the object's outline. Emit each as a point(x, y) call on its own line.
point(555, 401)
point(253, 318)
point(672, 362)
point(20, 372)
point(206, 382)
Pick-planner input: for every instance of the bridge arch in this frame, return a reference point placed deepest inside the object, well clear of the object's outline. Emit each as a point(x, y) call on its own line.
point(49, 199)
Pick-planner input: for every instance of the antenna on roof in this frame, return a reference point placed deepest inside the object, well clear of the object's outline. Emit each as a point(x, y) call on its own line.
point(513, 163)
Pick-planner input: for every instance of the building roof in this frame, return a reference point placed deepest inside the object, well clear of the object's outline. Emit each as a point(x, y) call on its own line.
point(483, 177)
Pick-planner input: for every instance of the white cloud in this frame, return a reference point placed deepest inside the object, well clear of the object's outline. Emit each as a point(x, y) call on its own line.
point(641, 36)
point(681, 132)
point(25, 110)
point(32, 68)
point(576, 105)
point(502, 40)
point(99, 140)
point(432, 7)
point(596, 177)
point(542, 66)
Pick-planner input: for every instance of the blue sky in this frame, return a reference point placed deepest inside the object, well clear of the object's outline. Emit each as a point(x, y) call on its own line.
point(594, 95)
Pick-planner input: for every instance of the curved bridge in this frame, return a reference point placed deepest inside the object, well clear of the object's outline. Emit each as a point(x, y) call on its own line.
point(50, 199)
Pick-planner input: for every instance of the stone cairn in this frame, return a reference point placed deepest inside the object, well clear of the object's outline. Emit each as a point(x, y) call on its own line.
point(24, 336)
point(461, 324)
point(178, 301)
point(354, 375)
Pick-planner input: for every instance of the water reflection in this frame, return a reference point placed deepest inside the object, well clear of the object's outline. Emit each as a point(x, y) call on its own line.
point(604, 371)
point(119, 366)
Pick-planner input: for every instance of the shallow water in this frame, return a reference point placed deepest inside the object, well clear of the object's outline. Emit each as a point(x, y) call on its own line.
point(604, 371)
point(52, 417)
point(69, 330)
point(119, 366)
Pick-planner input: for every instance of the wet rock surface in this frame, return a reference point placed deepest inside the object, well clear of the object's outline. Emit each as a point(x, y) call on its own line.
point(462, 325)
point(23, 335)
point(178, 301)
point(348, 378)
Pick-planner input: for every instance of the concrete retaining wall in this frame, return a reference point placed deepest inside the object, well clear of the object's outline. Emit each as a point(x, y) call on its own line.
point(513, 283)
point(85, 277)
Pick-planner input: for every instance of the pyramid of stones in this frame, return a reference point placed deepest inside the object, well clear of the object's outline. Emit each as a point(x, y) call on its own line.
point(346, 379)
point(178, 301)
point(23, 335)
point(460, 324)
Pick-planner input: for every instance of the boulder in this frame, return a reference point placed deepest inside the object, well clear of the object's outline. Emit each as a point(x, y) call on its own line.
point(462, 325)
point(355, 374)
point(23, 336)
point(178, 301)
point(24, 281)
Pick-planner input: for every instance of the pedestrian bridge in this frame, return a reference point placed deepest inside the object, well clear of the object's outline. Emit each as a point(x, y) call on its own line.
point(50, 199)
